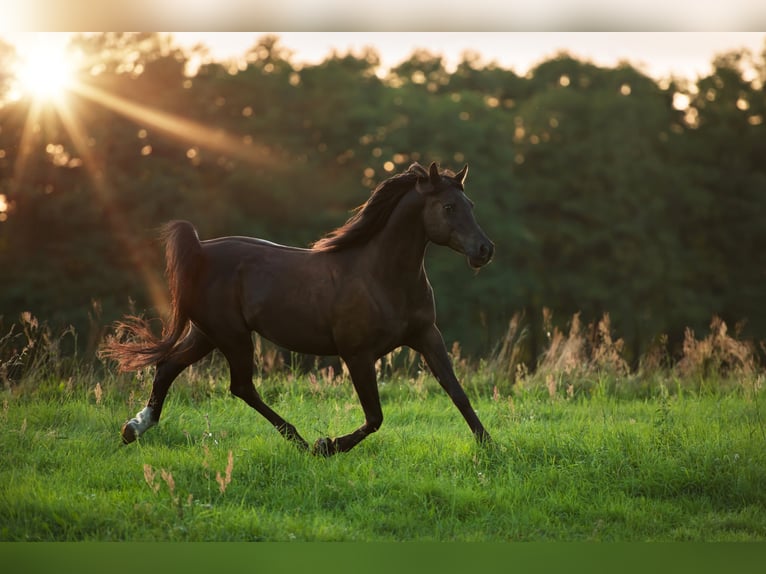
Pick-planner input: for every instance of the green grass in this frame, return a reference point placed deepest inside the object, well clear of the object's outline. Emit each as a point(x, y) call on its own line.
point(672, 467)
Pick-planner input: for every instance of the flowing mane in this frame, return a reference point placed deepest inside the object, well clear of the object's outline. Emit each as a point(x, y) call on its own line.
point(371, 216)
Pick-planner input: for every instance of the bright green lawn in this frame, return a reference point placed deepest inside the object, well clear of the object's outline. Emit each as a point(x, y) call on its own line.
point(686, 467)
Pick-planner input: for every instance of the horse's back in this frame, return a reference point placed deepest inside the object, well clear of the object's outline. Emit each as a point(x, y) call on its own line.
point(284, 293)
point(238, 242)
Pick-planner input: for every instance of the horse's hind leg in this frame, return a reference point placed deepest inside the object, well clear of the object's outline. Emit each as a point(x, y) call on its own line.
point(240, 360)
point(190, 350)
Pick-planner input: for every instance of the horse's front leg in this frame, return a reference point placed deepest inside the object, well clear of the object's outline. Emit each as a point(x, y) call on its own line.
point(362, 370)
point(431, 345)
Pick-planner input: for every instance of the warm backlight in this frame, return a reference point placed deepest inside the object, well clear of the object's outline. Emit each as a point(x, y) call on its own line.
point(45, 71)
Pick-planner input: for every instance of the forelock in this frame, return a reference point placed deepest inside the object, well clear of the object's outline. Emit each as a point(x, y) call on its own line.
point(418, 170)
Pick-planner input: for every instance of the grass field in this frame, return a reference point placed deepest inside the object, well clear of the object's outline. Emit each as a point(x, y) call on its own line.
point(586, 463)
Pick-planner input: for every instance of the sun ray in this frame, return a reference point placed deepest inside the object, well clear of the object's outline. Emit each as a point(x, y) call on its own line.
point(181, 128)
point(178, 127)
point(31, 125)
point(105, 194)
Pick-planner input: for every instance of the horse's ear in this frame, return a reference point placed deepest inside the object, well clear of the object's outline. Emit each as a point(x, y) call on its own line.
point(433, 174)
point(460, 176)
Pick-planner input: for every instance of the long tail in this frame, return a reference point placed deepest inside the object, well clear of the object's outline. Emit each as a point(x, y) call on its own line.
point(136, 346)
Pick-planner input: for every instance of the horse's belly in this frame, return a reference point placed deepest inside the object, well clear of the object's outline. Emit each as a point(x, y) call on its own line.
point(293, 331)
point(301, 342)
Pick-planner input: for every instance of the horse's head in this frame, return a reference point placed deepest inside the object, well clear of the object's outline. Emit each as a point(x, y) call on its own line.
point(448, 216)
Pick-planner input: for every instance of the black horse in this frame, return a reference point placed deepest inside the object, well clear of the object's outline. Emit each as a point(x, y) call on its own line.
point(359, 292)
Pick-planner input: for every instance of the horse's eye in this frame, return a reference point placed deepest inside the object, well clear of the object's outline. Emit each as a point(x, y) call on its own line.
point(449, 207)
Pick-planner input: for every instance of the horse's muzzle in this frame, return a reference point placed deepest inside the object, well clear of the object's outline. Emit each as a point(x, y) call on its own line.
point(481, 255)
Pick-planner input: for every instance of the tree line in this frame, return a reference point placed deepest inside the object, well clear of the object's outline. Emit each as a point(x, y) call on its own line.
point(605, 190)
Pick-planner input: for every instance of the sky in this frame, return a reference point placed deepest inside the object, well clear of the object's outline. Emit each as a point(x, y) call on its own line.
point(659, 54)
point(684, 36)
point(391, 15)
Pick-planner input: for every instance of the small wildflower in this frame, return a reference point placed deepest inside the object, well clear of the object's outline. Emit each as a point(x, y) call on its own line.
point(328, 375)
point(550, 381)
point(223, 481)
point(149, 476)
point(167, 476)
point(313, 383)
point(206, 456)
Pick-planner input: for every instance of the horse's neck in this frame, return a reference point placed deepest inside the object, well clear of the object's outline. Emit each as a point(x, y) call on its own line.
point(400, 246)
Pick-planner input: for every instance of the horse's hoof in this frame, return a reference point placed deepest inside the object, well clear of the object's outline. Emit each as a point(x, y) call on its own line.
point(129, 432)
point(485, 439)
point(324, 446)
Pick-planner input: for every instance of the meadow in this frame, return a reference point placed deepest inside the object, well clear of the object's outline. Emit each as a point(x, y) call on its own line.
point(585, 463)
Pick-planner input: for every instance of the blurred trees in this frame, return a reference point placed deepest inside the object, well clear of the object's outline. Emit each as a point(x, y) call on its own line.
point(606, 191)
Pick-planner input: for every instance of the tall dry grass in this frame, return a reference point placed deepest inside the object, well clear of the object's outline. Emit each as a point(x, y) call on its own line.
point(586, 358)
point(717, 354)
point(583, 358)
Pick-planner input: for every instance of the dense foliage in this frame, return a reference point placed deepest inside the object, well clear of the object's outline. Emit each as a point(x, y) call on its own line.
point(603, 190)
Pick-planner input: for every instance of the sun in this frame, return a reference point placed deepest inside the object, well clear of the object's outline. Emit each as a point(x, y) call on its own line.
point(45, 71)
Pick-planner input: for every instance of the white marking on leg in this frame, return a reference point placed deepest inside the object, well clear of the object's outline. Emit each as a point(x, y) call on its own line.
point(142, 421)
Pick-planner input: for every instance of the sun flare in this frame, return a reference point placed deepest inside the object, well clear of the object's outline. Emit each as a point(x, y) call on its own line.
point(45, 72)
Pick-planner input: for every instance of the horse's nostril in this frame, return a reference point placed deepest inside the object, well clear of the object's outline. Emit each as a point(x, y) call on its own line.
point(486, 250)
